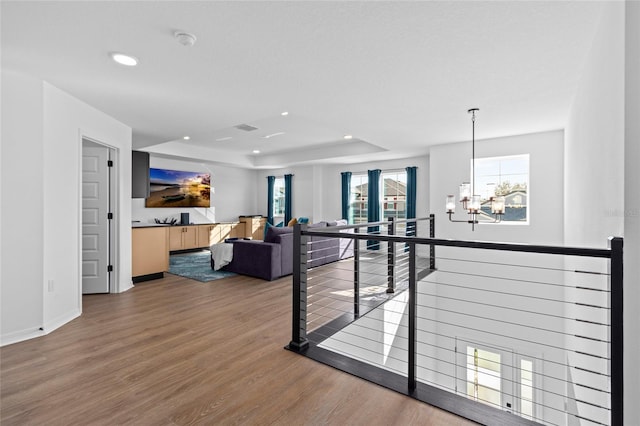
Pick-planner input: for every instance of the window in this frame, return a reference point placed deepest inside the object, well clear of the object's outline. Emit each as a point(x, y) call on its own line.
point(358, 196)
point(278, 197)
point(526, 389)
point(507, 177)
point(498, 377)
point(392, 198)
point(484, 376)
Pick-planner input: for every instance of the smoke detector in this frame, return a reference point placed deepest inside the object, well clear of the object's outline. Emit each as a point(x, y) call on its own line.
point(185, 39)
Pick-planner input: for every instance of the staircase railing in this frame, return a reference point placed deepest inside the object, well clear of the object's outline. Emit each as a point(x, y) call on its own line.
point(495, 332)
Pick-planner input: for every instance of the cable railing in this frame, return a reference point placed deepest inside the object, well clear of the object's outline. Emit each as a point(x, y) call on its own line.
point(498, 333)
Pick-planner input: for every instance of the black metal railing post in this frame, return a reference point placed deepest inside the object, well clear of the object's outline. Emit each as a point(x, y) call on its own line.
point(299, 340)
point(432, 247)
point(617, 332)
point(391, 257)
point(477, 412)
point(413, 305)
point(356, 276)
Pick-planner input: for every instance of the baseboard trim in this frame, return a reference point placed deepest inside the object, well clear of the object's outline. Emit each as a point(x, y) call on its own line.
point(61, 320)
point(127, 288)
point(47, 327)
point(20, 336)
point(148, 277)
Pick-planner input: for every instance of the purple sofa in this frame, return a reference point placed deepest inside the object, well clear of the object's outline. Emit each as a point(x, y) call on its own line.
point(269, 259)
point(273, 258)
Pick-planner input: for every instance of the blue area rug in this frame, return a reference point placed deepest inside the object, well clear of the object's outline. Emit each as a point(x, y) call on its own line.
point(196, 266)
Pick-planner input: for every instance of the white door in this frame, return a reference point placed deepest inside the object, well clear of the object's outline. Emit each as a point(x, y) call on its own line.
point(96, 266)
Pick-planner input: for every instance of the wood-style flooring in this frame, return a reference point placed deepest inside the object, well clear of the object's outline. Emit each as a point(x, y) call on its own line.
point(179, 352)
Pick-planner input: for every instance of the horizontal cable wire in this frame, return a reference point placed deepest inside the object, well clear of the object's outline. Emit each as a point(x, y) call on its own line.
point(455, 365)
point(503, 307)
point(509, 294)
point(444, 271)
point(504, 321)
point(377, 279)
point(448, 349)
point(521, 266)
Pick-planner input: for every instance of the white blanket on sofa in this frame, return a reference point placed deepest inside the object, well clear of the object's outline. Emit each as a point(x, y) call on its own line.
point(222, 254)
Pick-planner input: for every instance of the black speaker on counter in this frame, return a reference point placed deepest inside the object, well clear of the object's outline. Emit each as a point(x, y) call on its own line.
point(184, 218)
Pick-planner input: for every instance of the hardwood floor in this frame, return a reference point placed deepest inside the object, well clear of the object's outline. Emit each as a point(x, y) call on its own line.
point(179, 352)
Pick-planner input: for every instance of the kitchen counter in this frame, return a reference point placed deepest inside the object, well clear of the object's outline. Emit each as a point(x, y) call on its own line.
point(152, 225)
point(147, 225)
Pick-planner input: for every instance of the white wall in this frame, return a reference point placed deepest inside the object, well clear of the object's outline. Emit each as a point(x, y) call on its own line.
point(43, 128)
point(66, 122)
point(21, 226)
point(594, 144)
point(601, 164)
point(450, 166)
point(233, 193)
point(632, 210)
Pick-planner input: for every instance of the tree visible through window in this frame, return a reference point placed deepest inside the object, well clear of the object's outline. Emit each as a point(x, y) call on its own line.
point(507, 177)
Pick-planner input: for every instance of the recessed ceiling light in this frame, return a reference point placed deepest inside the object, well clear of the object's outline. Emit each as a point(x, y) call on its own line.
point(256, 151)
point(348, 136)
point(186, 138)
point(123, 59)
point(284, 113)
point(273, 134)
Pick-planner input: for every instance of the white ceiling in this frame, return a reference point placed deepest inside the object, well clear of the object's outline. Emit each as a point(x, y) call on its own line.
point(398, 76)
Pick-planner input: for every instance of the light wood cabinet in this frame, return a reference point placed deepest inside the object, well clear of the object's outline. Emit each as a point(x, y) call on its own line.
point(253, 226)
point(237, 230)
point(208, 235)
point(225, 230)
point(203, 236)
point(149, 251)
point(183, 238)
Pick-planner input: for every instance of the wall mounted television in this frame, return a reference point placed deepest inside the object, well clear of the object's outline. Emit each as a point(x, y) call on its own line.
point(174, 188)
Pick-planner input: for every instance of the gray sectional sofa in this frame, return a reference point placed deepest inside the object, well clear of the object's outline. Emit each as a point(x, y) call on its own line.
point(273, 258)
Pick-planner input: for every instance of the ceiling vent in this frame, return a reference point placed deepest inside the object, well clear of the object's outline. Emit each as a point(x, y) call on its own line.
point(246, 127)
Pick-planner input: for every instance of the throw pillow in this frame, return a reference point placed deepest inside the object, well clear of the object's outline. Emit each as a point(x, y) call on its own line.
point(280, 224)
point(292, 222)
point(303, 220)
point(267, 225)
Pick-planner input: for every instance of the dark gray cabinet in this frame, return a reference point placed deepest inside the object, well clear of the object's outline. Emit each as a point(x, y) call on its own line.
point(139, 174)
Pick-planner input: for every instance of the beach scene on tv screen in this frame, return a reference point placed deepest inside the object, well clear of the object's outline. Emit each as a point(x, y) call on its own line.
point(174, 188)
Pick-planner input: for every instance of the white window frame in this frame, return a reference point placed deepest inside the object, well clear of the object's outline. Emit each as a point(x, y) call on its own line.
point(358, 179)
point(278, 212)
point(399, 214)
point(481, 179)
point(510, 375)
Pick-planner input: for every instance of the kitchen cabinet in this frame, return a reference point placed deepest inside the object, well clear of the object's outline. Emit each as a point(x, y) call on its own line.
point(149, 253)
point(208, 235)
point(183, 238)
point(253, 226)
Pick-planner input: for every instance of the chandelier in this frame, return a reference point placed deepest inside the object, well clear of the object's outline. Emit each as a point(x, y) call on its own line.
point(471, 202)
